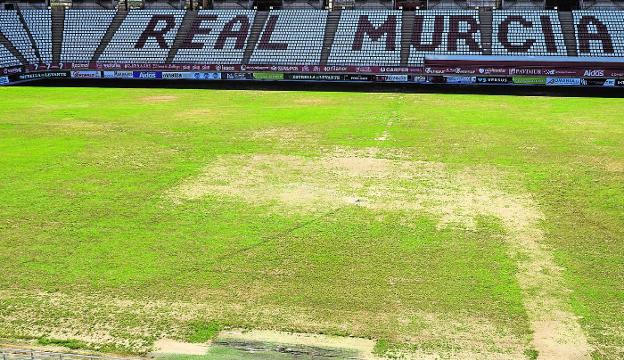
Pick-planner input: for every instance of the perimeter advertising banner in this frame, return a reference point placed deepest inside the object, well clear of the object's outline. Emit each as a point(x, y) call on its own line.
point(268, 76)
point(117, 74)
point(563, 81)
point(4, 80)
point(315, 77)
point(147, 75)
point(493, 80)
point(529, 80)
point(86, 74)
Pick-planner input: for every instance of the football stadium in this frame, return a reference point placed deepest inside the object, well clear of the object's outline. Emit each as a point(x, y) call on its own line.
point(311, 179)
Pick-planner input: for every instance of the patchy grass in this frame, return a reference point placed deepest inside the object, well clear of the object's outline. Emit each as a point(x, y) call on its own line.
point(128, 214)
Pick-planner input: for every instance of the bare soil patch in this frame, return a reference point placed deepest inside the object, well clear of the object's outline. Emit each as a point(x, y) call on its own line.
point(456, 197)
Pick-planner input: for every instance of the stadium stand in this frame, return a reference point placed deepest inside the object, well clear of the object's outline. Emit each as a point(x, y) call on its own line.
point(40, 39)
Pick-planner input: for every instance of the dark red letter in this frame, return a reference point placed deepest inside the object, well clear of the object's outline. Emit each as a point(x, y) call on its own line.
point(436, 40)
point(455, 34)
point(159, 35)
point(503, 34)
point(365, 27)
point(265, 41)
point(585, 37)
point(228, 32)
point(549, 34)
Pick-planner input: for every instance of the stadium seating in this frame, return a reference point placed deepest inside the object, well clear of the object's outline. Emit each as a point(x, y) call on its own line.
point(83, 31)
point(7, 59)
point(39, 24)
point(14, 31)
point(284, 27)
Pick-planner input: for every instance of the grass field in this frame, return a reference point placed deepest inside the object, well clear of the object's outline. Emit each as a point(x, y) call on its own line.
point(463, 226)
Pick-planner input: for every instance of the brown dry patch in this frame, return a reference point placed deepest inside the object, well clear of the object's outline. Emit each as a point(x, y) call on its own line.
point(311, 101)
point(456, 197)
point(168, 346)
point(281, 135)
point(605, 163)
point(159, 98)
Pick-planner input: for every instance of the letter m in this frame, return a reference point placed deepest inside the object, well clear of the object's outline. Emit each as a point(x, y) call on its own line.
point(365, 27)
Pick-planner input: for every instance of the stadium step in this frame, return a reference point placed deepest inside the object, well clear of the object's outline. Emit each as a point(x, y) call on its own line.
point(407, 28)
point(120, 16)
point(30, 36)
point(333, 18)
point(569, 35)
point(185, 28)
point(485, 19)
point(258, 24)
point(58, 24)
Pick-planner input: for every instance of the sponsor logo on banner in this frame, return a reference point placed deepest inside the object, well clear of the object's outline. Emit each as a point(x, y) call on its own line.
point(461, 80)
point(117, 74)
point(358, 77)
point(529, 71)
point(563, 81)
point(619, 82)
point(322, 77)
point(419, 79)
point(4, 80)
point(268, 76)
point(493, 80)
point(396, 78)
point(529, 80)
point(86, 74)
point(492, 71)
point(43, 75)
point(238, 76)
point(609, 83)
point(147, 74)
point(594, 73)
point(207, 76)
point(177, 75)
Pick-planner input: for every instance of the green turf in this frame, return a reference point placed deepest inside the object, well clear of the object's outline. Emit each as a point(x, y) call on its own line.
point(85, 217)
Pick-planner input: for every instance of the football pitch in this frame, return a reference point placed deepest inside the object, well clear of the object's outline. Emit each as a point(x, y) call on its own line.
point(459, 226)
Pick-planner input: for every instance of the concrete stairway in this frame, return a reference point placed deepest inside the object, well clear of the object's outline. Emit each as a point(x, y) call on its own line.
point(58, 25)
point(407, 28)
point(485, 19)
point(30, 36)
point(258, 24)
point(569, 35)
point(120, 16)
point(185, 28)
point(333, 18)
